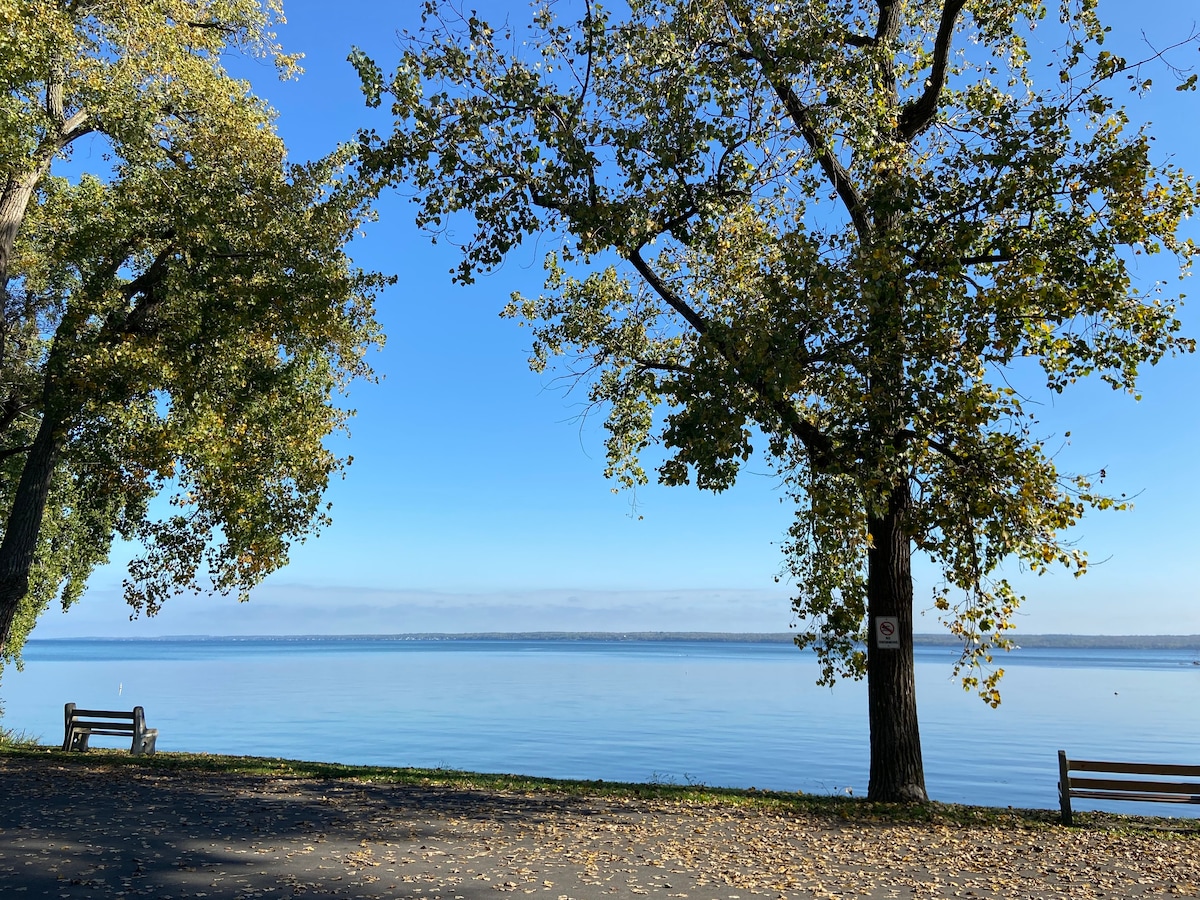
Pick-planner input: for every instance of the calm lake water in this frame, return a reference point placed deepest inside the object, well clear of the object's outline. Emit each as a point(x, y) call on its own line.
point(727, 714)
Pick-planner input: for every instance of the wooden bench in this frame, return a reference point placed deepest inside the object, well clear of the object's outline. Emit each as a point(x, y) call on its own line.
point(1150, 789)
point(81, 724)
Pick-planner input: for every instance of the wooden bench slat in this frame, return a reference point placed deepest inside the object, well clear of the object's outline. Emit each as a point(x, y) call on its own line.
point(1136, 795)
point(1091, 765)
point(98, 726)
point(103, 713)
point(92, 726)
point(1115, 784)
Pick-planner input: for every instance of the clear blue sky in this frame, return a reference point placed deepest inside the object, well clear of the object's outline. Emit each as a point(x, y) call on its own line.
point(476, 500)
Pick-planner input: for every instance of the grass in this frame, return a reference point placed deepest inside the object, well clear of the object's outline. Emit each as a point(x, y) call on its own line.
point(841, 808)
point(11, 739)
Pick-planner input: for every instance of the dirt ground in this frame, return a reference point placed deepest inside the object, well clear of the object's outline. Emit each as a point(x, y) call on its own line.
point(72, 831)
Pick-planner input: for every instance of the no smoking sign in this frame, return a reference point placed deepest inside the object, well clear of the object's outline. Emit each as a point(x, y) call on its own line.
point(887, 632)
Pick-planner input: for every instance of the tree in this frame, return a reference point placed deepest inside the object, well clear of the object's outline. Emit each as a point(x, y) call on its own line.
point(842, 229)
point(178, 319)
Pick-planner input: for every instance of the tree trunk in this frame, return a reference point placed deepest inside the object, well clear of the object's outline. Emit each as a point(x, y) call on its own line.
point(897, 773)
point(25, 522)
point(14, 201)
point(18, 189)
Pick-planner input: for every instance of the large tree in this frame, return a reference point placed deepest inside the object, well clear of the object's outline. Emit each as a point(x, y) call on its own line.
point(843, 229)
point(178, 309)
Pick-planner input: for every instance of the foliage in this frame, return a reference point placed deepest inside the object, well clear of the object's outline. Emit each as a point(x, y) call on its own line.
point(179, 318)
point(841, 231)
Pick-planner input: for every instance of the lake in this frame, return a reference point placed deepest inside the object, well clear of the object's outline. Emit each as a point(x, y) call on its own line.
point(718, 713)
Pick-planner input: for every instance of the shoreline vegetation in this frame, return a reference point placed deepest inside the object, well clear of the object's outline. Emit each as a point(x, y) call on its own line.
point(1062, 641)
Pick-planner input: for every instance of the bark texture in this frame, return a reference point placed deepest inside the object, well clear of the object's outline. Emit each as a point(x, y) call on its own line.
point(24, 522)
point(897, 771)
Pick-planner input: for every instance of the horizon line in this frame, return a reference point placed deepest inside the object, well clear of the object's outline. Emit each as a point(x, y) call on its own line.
point(1045, 639)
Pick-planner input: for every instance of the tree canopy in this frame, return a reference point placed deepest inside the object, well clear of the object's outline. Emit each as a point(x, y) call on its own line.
point(179, 310)
point(842, 230)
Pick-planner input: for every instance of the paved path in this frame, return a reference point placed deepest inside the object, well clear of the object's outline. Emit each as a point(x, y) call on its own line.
point(93, 832)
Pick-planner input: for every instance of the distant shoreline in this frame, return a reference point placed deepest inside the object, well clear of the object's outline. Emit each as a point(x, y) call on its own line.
point(1066, 641)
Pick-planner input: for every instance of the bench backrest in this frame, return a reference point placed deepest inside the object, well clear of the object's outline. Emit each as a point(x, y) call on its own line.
point(1127, 768)
point(100, 720)
point(1108, 788)
point(72, 713)
point(103, 714)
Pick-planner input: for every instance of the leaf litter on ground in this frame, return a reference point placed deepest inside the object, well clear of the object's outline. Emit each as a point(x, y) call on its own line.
point(182, 826)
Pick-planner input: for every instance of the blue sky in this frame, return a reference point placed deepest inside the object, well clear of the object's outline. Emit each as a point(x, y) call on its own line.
point(476, 500)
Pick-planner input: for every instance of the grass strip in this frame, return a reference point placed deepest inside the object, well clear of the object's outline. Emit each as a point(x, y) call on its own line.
point(840, 808)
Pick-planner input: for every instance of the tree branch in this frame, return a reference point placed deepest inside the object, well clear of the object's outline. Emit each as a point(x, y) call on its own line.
point(646, 365)
point(10, 411)
point(222, 27)
point(591, 52)
point(804, 120)
point(888, 25)
point(13, 451)
point(148, 285)
point(69, 127)
point(671, 298)
point(989, 258)
point(940, 446)
point(75, 127)
point(918, 114)
point(815, 441)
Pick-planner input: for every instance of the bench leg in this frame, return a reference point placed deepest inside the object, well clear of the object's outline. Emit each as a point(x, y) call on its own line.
point(69, 732)
point(1064, 787)
point(143, 737)
point(143, 744)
